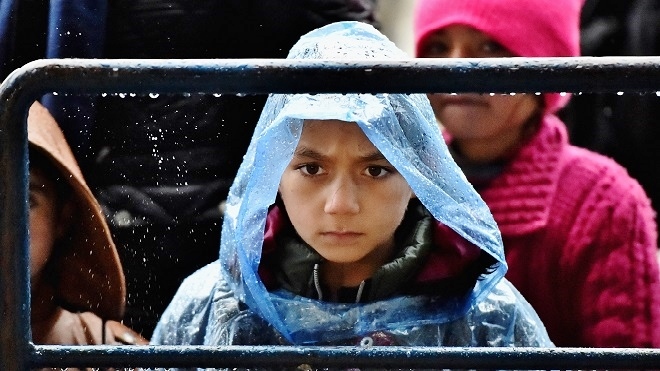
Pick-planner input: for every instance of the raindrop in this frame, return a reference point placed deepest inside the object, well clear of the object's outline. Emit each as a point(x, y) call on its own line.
point(240, 95)
point(132, 94)
point(512, 94)
point(563, 93)
point(657, 93)
point(217, 95)
point(537, 93)
point(54, 93)
point(153, 95)
point(122, 95)
point(492, 94)
point(453, 94)
point(104, 95)
point(619, 93)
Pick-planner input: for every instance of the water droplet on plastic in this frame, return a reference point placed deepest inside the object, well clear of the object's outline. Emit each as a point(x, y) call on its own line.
point(619, 93)
point(153, 95)
point(563, 93)
point(217, 95)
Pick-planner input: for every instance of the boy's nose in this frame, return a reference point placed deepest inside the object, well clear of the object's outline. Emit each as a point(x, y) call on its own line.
point(343, 199)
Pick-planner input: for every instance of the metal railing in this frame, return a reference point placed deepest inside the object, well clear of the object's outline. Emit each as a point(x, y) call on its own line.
point(502, 75)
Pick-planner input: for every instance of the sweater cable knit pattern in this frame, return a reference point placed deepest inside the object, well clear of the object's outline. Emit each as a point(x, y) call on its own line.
point(579, 235)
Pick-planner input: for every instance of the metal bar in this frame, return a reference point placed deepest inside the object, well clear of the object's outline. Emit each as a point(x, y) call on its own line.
point(72, 76)
point(353, 357)
point(251, 76)
point(14, 255)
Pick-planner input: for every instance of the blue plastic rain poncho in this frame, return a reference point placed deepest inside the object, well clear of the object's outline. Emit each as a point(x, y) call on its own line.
point(227, 301)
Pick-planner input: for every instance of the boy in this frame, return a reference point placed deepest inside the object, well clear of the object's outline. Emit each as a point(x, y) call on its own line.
point(372, 235)
point(76, 280)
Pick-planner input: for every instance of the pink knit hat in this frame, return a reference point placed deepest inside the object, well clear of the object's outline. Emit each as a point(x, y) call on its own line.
point(528, 28)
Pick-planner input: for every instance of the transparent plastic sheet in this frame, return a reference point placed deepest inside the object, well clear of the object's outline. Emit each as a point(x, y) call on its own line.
point(207, 313)
point(403, 128)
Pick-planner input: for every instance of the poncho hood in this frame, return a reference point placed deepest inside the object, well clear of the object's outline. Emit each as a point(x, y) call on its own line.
point(403, 128)
point(89, 273)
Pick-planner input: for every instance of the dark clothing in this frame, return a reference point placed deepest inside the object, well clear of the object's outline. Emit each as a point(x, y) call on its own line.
point(161, 166)
point(623, 127)
point(431, 260)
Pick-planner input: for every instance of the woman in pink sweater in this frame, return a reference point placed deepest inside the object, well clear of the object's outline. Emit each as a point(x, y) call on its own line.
point(579, 232)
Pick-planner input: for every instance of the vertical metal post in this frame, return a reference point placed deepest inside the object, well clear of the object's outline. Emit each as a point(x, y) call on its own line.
point(14, 253)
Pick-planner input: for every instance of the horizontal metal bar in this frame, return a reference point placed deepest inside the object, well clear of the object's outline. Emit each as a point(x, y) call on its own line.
point(319, 357)
point(252, 76)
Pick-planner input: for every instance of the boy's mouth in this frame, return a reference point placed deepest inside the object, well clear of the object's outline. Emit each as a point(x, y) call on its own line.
point(341, 235)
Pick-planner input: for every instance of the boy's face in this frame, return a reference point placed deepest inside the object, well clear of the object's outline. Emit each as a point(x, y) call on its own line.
point(44, 217)
point(343, 197)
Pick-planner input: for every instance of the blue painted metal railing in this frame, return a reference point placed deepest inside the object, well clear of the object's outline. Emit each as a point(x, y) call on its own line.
point(502, 75)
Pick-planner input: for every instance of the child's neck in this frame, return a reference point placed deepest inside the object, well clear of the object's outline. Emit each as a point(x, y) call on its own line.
point(337, 275)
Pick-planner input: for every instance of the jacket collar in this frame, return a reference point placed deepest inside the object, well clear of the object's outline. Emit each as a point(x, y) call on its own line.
point(520, 198)
point(430, 253)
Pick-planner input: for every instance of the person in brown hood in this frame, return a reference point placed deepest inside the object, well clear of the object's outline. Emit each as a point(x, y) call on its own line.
point(76, 279)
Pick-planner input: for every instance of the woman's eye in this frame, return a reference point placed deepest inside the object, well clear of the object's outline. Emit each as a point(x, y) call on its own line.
point(494, 48)
point(434, 50)
point(377, 171)
point(310, 169)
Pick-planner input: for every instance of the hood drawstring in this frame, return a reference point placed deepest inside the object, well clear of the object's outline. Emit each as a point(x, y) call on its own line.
point(359, 293)
point(317, 283)
point(319, 292)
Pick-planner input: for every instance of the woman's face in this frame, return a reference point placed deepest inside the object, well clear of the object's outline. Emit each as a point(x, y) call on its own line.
point(484, 126)
point(343, 197)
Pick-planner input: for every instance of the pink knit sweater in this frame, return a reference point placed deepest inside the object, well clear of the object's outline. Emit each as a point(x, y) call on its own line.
point(580, 239)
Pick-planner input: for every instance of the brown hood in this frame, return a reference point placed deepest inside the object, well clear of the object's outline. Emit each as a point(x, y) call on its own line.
point(90, 276)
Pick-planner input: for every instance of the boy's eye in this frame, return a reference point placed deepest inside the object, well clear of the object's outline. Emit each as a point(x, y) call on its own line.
point(377, 171)
point(310, 169)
